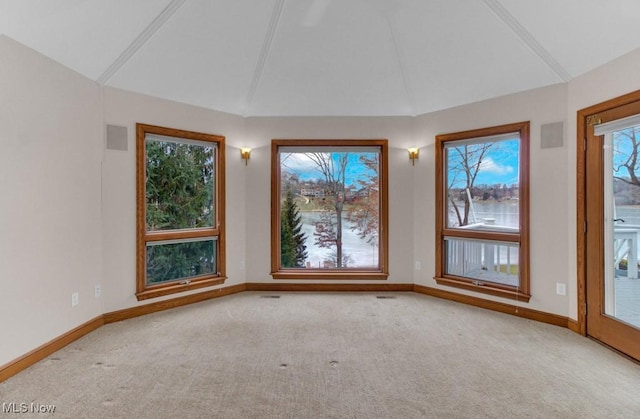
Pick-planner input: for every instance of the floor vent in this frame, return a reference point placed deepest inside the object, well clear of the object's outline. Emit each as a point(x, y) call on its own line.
point(269, 296)
point(385, 297)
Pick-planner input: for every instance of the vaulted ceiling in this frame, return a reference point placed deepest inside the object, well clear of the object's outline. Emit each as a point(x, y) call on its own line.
point(326, 57)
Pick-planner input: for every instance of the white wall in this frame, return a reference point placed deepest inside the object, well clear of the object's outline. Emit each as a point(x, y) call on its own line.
point(548, 188)
point(119, 189)
point(50, 235)
point(613, 79)
point(399, 132)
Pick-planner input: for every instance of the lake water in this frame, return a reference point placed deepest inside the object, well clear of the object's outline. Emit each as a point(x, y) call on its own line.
point(364, 255)
point(504, 213)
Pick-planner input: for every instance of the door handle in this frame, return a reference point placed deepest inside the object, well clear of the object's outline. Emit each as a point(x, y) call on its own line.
point(618, 219)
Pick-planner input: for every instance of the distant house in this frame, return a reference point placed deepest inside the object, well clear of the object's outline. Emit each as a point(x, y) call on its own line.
point(313, 192)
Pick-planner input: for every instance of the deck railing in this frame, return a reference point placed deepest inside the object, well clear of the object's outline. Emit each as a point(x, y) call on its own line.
point(483, 259)
point(625, 247)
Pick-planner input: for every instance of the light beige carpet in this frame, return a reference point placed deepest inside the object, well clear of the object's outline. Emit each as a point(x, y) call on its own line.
point(329, 355)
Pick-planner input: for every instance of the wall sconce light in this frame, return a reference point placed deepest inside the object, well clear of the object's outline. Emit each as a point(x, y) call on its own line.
point(245, 154)
point(414, 152)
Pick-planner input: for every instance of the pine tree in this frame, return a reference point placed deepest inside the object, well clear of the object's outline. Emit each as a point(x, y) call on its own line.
point(179, 194)
point(293, 251)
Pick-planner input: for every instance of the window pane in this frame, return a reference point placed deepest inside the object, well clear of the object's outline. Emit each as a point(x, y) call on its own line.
point(622, 205)
point(483, 186)
point(169, 261)
point(329, 208)
point(179, 185)
point(482, 260)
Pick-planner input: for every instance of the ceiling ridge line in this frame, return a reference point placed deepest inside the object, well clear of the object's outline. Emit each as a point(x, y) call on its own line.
point(264, 53)
point(141, 39)
point(403, 69)
point(526, 37)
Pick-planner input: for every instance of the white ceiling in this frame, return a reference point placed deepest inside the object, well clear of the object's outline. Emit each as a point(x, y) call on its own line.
point(326, 57)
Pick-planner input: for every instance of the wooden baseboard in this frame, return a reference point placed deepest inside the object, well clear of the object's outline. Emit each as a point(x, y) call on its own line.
point(574, 326)
point(129, 313)
point(282, 287)
point(524, 312)
point(43, 351)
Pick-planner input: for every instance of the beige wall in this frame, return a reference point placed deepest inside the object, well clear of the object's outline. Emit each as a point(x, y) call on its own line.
point(549, 208)
point(119, 190)
point(68, 204)
point(50, 217)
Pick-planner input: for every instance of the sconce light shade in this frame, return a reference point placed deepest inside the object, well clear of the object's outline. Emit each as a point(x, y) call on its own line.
point(414, 152)
point(245, 154)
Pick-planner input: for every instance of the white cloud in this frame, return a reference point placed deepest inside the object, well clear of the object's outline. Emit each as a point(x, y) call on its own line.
point(298, 162)
point(490, 166)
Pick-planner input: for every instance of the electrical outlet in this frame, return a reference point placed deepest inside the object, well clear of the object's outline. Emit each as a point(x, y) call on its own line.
point(561, 288)
point(75, 299)
point(242, 265)
point(97, 291)
point(418, 265)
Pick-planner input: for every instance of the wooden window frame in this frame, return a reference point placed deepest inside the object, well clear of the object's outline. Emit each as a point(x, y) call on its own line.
point(143, 290)
point(521, 292)
point(277, 272)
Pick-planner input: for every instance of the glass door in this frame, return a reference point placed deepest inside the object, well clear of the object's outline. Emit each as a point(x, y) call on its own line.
point(613, 229)
point(622, 225)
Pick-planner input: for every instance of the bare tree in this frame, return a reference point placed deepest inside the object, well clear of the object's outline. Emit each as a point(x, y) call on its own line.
point(333, 167)
point(464, 165)
point(365, 214)
point(626, 155)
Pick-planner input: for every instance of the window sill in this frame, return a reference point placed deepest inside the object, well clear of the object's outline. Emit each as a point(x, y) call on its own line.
point(329, 274)
point(176, 287)
point(491, 289)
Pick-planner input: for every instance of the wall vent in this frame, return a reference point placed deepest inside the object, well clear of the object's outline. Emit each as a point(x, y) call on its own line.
point(552, 135)
point(117, 138)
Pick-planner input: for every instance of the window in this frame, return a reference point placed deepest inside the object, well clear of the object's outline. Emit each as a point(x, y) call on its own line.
point(482, 210)
point(329, 209)
point(180, 210)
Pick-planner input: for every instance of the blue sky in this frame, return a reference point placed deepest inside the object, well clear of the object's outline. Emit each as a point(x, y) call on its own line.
point(499, 165)
point(300, 164)
point(622, 149)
